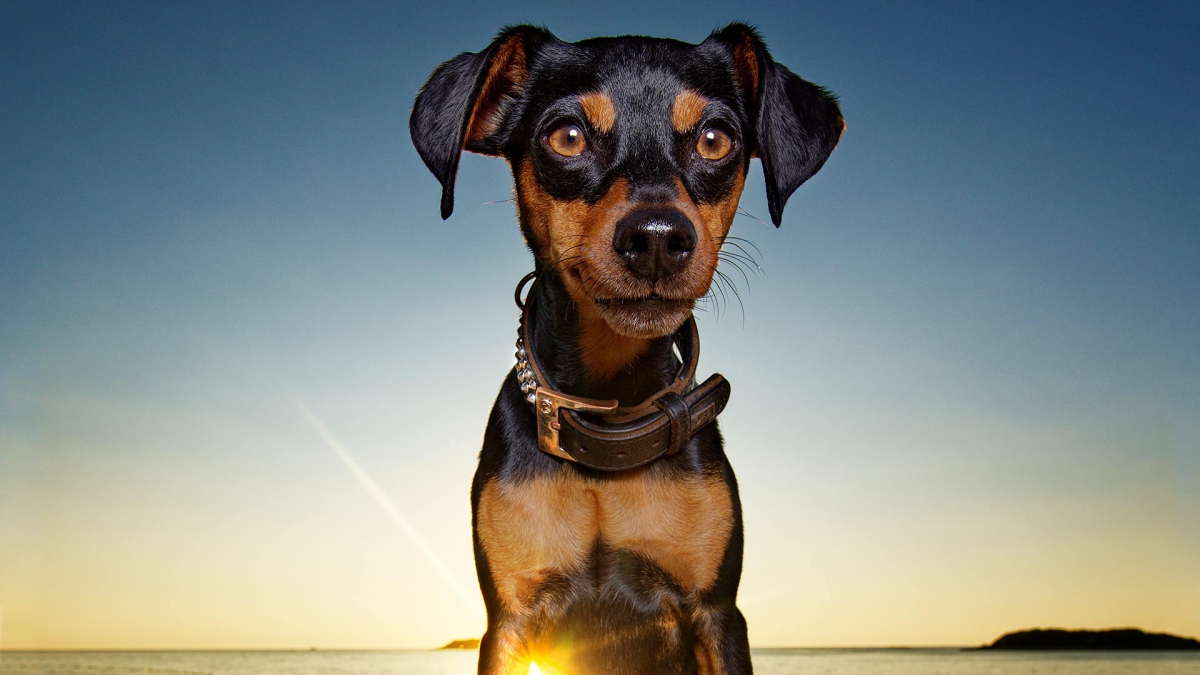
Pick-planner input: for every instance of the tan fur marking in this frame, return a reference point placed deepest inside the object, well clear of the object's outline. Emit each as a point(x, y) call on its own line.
point(545, 526)
point(718, 217)
point(712, 223)
point(687, 110)
point(599, 110)
point(606, 353)
point(535, 206)
point(505, 76)
point(533, 529)
point(683, 525)
point(577, 238)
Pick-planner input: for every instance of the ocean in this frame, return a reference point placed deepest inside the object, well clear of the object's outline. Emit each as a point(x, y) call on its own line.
point(766, 662)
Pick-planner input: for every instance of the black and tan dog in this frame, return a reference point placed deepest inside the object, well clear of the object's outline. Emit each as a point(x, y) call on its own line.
point(608, 534)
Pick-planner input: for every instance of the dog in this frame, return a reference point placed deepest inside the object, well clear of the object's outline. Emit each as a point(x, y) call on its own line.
point(606, 520)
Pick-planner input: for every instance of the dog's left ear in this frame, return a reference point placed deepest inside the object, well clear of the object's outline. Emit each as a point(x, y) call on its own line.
point(796, 123)
point(463, 103)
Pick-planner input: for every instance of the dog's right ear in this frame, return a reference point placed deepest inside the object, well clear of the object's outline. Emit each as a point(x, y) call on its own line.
point(463, 103)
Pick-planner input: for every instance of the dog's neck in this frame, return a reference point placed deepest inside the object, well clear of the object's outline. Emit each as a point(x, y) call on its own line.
point(566, 343)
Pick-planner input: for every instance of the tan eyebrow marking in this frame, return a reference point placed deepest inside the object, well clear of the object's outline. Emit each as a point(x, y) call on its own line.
point(687, 110)
point(599, 110)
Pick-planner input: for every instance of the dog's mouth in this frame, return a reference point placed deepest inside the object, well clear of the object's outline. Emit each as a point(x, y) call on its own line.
point(634, 309)
point(645, 317)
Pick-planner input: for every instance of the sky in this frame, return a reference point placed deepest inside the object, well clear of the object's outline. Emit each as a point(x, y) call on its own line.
point(245, 368)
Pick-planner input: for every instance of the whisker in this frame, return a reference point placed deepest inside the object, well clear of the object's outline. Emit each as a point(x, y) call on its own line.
point(733, 290)
point(743, 256)
point(734, 257)
point(739, 269)
point(744, 240)
point(746, 213)
point(588, 289)
point(564, 257)
point(717, 295)
point(738, 247)
point(570, 267)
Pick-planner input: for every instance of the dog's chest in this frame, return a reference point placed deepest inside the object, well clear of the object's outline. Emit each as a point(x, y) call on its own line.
point(536, 528)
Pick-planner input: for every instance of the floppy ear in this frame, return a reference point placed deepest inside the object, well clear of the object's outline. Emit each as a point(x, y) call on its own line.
point(796, 123)
point(463, 103)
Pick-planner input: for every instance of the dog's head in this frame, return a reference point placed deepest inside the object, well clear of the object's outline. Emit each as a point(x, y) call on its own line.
point(629, 154)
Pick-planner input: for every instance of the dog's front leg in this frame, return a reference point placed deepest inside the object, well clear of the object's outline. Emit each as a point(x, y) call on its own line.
point(499, 651)
point(722, 646)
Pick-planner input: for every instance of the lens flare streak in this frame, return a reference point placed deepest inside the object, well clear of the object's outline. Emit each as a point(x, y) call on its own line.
point(470, 600)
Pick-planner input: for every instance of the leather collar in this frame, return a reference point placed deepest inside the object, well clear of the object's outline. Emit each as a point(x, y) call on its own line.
point(600, 434)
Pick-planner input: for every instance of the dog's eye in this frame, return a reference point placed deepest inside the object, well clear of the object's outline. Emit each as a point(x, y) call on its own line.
point(567, 140)
point(714, 144)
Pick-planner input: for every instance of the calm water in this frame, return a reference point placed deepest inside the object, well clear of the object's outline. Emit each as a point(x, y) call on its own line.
point(766, 662)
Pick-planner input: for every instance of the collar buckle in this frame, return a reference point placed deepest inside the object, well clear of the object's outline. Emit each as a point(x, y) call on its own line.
point(546, 405)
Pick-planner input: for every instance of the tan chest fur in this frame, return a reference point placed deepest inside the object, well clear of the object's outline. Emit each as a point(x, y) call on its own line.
point(543, 526)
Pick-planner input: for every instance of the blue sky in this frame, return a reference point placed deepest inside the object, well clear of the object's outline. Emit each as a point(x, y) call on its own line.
point(966, 391)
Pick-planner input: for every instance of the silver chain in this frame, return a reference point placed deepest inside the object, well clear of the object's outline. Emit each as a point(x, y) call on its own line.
point(525, 376)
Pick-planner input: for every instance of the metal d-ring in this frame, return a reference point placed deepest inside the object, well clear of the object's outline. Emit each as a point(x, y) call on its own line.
point(521, 286)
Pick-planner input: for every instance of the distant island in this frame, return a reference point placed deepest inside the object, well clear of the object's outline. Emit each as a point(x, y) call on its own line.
point(1039, 638)
point(1116, 638)
point(471, 643)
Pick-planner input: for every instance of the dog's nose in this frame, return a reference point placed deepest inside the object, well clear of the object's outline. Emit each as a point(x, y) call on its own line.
point(655, 243)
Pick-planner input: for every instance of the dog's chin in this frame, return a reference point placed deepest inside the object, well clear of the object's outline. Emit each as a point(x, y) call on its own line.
point(644, 318)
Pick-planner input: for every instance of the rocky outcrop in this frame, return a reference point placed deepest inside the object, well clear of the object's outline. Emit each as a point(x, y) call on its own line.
point(471, 643)
point(1117, 638)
